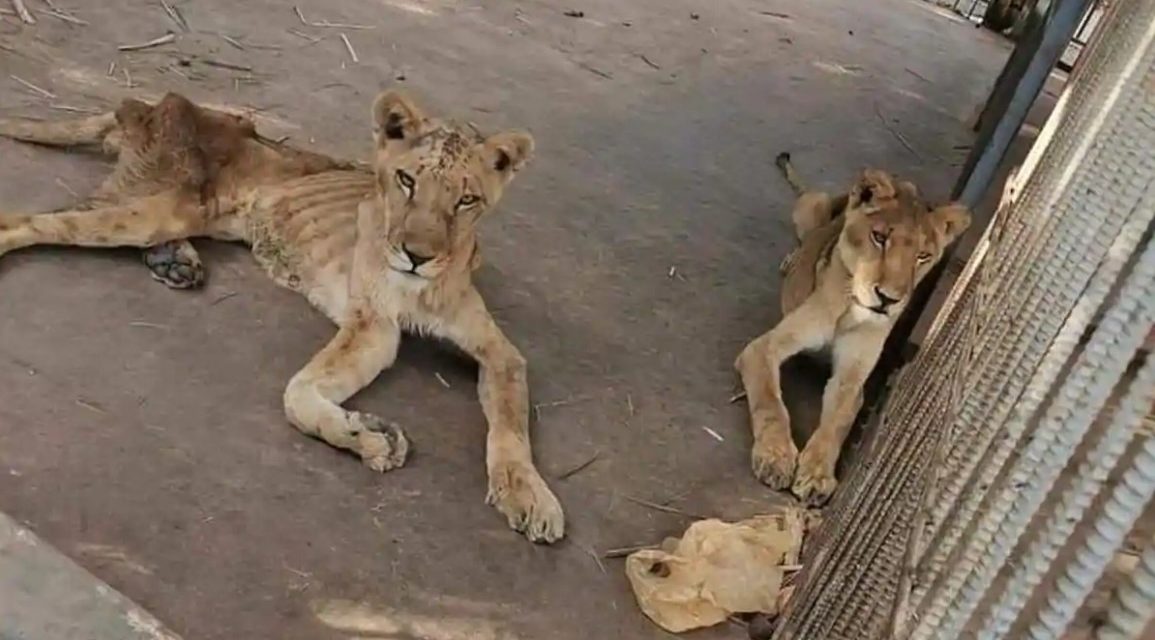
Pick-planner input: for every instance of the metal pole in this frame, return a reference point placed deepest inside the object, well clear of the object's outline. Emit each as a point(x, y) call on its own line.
point(1062, 19)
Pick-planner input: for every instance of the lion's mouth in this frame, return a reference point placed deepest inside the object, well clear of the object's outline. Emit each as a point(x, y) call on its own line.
point(410, 271)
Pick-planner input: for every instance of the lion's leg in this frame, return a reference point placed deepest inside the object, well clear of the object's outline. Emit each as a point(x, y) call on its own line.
point(855, 354)
point(63, 133)
point(364, 346)
point(515, 486)
point(774, 454)
point(142, 222)
point(812, 209)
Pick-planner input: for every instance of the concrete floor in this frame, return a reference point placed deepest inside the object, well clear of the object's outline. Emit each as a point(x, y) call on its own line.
point(148, 422)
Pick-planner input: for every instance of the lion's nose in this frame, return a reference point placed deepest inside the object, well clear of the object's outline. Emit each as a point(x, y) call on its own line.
point(884, 300)
point(416, 259)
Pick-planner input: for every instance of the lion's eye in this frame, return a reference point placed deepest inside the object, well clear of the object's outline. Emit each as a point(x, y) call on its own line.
point(467, 200)
point(406, 182)
point(923, 257)
point(878, 238)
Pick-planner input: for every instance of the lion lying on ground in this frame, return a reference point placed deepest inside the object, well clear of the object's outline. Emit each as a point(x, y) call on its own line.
point(859, 258)
point(379, 252)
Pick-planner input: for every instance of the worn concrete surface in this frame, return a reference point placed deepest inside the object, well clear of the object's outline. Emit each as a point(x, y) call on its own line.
point(44, 595)
point(630, 261)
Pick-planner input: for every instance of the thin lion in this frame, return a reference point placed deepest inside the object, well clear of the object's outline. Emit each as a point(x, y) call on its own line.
point(859, 257)
point(380, 252)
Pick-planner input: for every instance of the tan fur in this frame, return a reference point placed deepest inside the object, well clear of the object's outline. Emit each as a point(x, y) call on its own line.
point(379, 252)
point(858, 260)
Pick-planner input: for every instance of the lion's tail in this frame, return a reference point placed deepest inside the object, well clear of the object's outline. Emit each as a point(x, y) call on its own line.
point(788, 172)
point(61, 133)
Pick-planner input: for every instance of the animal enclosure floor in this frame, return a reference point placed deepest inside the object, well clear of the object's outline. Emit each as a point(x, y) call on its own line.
point(630, 261)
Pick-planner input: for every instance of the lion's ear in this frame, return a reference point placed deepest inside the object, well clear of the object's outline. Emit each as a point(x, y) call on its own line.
point(396, 117)
point(874, 185)
point(507, 152)
point(950, 221)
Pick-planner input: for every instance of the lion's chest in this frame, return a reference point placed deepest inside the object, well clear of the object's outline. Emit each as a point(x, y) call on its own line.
point(405, 300)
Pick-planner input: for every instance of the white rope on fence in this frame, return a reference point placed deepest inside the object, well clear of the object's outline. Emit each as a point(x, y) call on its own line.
point(1122, 510)
point(1077, 403)
point(1132, 605)
point(1032, 566)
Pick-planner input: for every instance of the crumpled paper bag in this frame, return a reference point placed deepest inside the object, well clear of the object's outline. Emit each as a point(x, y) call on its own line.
point(716, 569)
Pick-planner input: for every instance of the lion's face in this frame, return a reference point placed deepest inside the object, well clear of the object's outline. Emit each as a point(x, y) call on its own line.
point(891, 239)
point(435, 180)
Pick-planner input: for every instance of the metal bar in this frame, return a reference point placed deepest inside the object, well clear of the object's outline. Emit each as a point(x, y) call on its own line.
point(978, 172)
point(1011, 74)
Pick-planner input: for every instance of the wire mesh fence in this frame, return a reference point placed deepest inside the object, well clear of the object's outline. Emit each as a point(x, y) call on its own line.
point(1010, 461)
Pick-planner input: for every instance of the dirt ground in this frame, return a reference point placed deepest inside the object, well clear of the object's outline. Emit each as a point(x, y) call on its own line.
point(630, 262)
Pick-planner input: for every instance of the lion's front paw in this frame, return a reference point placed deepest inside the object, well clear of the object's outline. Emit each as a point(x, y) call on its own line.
point(815, 483)
point(773, 462)
point(175, 264)
point(382, 445)
point(519, 492)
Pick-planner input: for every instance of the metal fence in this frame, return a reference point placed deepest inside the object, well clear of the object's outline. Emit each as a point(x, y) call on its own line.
point(1009, 460)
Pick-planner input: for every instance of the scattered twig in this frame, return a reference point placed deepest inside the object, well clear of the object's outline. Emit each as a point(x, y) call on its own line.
point(596, 71)
point(128, 78)
point(661, 507)
point(714, 434)
point(224, 296)
point(630, 404)
point(442, 380)
point(916, 74)
point(593, 554)
point(91, 406)
point(64, 185)
point(111, 68)
point(176, 16)
point(622, 552)
point(65, 107)
point(60, 15)
point(349, 47)
point(150, 325)
point(312, 39)
point(579, 468)
point(22, 11)
point(775, 14)
point(572, 13)
point(327, 24)
point(232, 41)
point(155, 42)
point(898, 136)
point(225, 65)
point(298, 572)
point(556, 403)
point(35, 89)
point(648, 61)
point(737, 396)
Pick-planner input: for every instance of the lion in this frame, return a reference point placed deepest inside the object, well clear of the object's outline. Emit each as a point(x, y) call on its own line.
point(859, 257)
point(380, 251)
